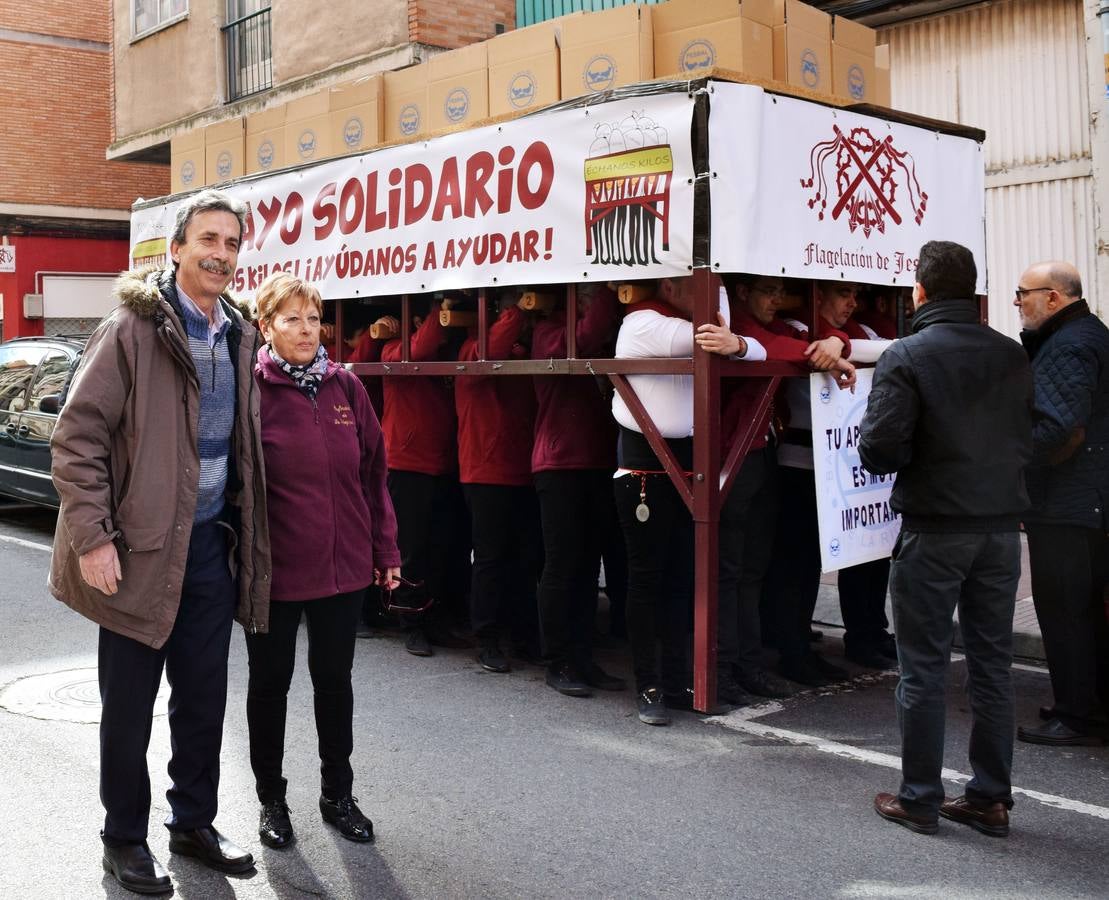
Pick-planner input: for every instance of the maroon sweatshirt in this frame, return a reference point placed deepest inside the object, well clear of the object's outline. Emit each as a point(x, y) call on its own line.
point(574, 428)
point(496, 413)
point(741, 395)
point(331, 520)
point(419, 420)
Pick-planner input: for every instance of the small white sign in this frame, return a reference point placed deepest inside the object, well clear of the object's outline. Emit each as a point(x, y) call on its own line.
point(7, 258)
point(857, 524)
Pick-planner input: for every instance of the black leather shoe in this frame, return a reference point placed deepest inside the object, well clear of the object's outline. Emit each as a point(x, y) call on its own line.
point(345, 815)
point(803, 671)
point(764, 684)
point(829, 670)
point(274, 828)
point(1054, 733)
point(729, 691)
point(417, 643)
point(1047, 713)
point(492, 659)
point(652, 707)
point(136, 869)
point(212, 849)
point(565, 679)
point(870, 658)
point(597, 677)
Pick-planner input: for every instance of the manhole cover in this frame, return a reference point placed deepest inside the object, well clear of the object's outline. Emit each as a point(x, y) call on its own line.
point(72, 695)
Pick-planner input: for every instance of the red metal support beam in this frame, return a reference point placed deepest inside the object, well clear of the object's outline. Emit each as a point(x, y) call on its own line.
point(482, 324)
point(571, 321)
point(654, 437)
point(340, 346)
point(406, 327)
point(745, 436)
point(706, 497)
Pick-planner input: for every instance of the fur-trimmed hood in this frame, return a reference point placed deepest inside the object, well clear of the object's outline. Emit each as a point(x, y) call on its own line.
point(141, 290)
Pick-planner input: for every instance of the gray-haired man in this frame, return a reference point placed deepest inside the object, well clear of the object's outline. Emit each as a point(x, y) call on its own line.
point(157, 461)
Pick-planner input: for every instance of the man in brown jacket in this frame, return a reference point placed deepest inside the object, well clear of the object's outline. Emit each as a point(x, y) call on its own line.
point(157, 459)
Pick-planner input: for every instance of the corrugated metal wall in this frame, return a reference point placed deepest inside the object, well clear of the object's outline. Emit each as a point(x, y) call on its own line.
point(528, 12)
point(1016, 68)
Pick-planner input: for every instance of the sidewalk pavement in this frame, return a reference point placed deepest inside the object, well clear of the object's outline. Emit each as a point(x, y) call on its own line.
point(1027, 641)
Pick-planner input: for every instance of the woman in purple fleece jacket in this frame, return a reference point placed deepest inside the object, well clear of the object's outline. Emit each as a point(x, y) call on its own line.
point(333, 532)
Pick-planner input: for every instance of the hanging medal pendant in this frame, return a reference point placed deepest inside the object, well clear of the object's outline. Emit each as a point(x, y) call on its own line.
point(642, 512)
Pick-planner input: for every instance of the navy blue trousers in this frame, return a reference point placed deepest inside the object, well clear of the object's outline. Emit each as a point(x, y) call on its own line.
point(195, 662)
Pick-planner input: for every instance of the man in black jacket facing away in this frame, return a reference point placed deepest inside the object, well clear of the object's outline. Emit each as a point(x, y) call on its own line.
point(950, 413)
point(1068, 484)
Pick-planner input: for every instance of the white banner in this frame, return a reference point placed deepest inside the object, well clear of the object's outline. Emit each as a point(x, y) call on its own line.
point(808, 191)
point(856, 522)
point(599, 193)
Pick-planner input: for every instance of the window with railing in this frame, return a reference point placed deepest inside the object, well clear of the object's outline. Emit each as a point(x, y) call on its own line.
point(149, 15)
point(249, 53)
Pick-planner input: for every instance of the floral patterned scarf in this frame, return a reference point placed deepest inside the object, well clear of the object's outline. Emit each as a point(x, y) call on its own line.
point(307, 377)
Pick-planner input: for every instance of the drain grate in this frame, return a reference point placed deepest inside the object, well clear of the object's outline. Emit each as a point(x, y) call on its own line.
point(71, 695)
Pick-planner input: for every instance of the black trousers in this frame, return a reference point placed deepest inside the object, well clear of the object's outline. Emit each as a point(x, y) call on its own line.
point(195, 662)
point(660, 580)
point(507, 560)
point(739, 642)
point(574, 507)
point(331, 625)
point(793, 580)
point(1070, 572)
point(423, 533)
point(862, 603)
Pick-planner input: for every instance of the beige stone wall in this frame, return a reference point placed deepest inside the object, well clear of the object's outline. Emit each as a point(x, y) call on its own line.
point(311, 37)
point(170, 74)
point(179, 72)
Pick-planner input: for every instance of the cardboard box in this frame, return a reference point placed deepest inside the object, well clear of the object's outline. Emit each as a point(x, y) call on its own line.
point(607, 49)
point(458, 87)
point(265, 140)
point(357, 114)
point(852, 60)
point(882, 76)
point(406, 111)
point(308, 128)
point(802, 46)
point(186, 161)
point(225, 150)
point(692, 36)
point(524, 69)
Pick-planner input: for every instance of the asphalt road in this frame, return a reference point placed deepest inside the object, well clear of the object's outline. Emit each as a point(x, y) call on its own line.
point(487, 785)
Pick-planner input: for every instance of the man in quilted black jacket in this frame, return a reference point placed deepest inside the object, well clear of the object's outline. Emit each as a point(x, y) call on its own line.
point(1068, 483)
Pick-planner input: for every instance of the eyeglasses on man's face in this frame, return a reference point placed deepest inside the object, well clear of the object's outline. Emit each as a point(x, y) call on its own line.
point(1020, 292)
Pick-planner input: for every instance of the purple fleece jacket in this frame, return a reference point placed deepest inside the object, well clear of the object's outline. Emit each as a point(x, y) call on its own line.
point(331, 520)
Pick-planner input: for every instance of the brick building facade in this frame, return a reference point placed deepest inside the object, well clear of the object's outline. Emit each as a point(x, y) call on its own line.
point(63, 205)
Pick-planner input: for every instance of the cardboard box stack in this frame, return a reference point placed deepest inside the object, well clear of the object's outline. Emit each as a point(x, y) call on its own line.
point(406, 109)
point(882, 76)
point(224, 151)
point(308, 128)
point(458, 87)
point(357, 115)
point(265, 140)
point(524, 69)
point(802, 46)
point(692, 36)
point(606, 49)
point(853, 60)
point(186, 161)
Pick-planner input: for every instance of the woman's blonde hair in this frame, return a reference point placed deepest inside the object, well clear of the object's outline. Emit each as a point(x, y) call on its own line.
point(279, 287)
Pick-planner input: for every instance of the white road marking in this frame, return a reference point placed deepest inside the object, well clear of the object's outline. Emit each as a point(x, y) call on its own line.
point(743, 720)
point(23, 543)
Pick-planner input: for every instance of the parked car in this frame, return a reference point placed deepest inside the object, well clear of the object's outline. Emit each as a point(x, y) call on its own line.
point(34, 377)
